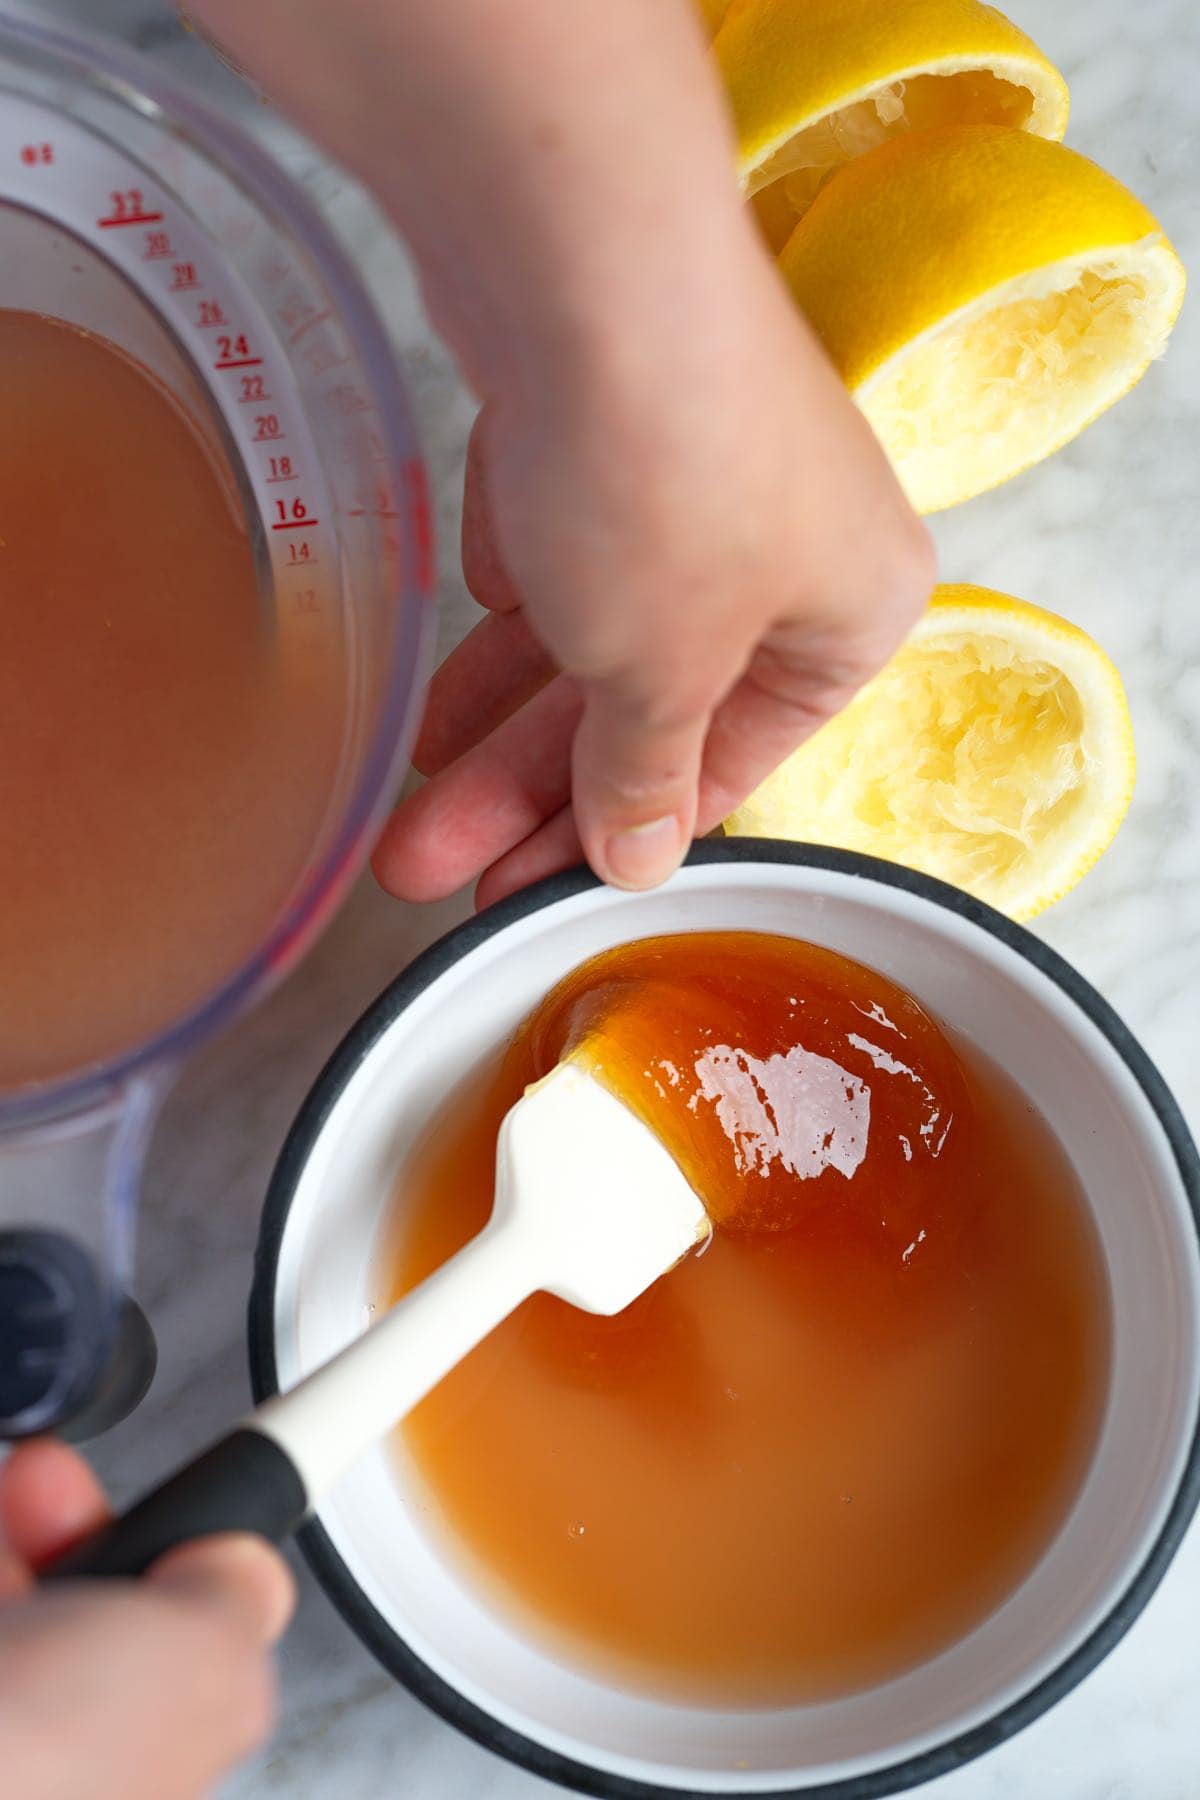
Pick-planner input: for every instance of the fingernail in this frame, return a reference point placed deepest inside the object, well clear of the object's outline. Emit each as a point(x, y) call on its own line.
point(644, 855)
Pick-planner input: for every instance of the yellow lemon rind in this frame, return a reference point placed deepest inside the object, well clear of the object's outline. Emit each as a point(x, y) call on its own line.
point(947, 216)
point(1013, 217)
point(1045, 121)
point(787, 67)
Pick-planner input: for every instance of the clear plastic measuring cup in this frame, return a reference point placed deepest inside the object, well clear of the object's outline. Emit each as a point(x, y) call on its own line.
point(131, 209)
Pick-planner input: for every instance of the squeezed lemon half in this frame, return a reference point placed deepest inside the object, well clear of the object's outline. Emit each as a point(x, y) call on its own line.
point(984, 294)
point(812, 86)
point(995, 751)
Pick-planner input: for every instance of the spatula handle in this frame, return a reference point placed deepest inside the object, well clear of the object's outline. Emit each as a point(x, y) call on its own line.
point(269, 1472)
point(327, 1421)
point(246, 1482)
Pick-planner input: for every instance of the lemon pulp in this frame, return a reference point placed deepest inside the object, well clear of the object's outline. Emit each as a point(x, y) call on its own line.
point(978, 400)
point(993, 761)
point(994, 751)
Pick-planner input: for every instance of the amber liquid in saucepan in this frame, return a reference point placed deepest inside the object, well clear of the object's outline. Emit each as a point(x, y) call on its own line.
point(827, 1447)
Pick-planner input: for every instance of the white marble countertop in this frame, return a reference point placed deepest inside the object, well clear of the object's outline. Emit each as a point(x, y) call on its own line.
point(1109, 533)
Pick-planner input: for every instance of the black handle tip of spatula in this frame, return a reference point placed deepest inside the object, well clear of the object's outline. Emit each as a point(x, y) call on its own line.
point(246, 1482)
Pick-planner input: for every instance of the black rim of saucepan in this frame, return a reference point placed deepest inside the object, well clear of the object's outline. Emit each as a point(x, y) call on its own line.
point(331, 1571)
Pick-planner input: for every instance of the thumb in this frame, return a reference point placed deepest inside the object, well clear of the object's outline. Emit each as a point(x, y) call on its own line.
point(168, 1678)
point(634, 782)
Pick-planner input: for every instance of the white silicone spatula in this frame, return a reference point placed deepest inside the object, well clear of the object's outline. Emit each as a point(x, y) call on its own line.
point(589, 1205)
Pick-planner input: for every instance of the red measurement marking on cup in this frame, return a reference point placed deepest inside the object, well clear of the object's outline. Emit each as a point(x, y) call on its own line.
point(158, 247)
point(293, 517)
point(417, 489)
point(236, 362)
point(184, 278)
point(234, 353)
point(209, 314)
point(128, 208)
point(267, 428)
point(281, 469)
point(254, 387)
point(32, 154)
point(306, 600)
point(301, 555)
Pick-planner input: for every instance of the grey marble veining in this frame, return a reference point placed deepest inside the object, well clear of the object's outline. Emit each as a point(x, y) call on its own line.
point(1109, 533)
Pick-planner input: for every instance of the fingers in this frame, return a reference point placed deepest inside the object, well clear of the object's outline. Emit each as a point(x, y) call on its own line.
point(234, 1574)
point(768, 715)
point(493, 672)
point(554, 846)
point(503, 806)
point(500, 806)
point(482, 805)
point(145, 1690)
point(634, 781)
point(49, 1498)
point(500, 664)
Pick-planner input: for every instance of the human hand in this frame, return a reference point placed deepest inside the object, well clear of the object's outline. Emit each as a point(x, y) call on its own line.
point(686, 573)
point(690, 546)
point(146, 1690)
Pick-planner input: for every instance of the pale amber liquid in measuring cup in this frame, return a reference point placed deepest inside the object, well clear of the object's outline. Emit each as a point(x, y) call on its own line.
point(829, 1446)
point(160, 782)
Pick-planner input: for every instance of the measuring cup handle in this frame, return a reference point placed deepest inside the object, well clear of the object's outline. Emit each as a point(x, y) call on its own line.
point(245, 1482)
point(76, 1353)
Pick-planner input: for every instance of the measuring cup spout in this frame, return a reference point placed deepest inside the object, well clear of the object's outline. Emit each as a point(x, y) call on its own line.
point(76, 1352)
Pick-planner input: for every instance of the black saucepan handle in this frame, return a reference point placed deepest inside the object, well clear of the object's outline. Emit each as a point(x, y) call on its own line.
point(246, 1482)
